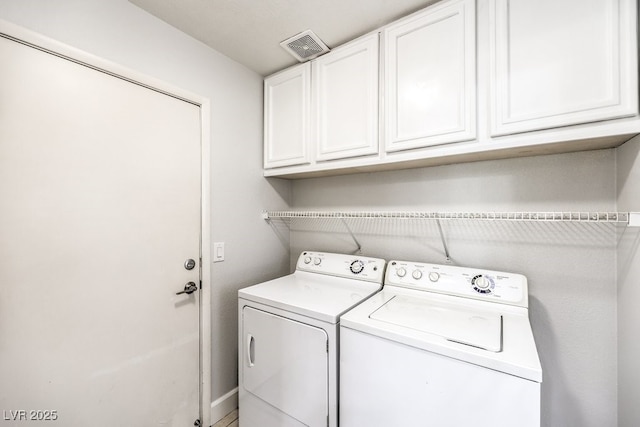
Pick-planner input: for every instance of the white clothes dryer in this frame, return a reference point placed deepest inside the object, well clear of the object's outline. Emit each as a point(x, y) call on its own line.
point(440, 346)
point(288, 339)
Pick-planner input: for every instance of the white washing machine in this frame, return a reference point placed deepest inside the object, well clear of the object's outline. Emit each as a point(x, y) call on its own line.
point(440, 346)
point(288, 339)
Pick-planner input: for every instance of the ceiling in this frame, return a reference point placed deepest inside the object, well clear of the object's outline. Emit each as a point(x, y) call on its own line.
point(250, 31)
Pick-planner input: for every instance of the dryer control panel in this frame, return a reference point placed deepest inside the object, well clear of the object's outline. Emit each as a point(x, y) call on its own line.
point(486, 285)
point(341, 265)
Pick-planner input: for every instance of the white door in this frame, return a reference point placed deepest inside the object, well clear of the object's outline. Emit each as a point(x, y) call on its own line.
point(345, 88)
point(559, 63)
point(99, 209)
point(286, 364)
point(430, 77)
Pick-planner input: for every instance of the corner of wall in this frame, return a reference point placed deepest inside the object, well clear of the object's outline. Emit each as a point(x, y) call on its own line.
point(627, 169)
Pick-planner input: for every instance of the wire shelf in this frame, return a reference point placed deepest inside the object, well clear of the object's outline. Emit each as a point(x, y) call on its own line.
point(628, 218)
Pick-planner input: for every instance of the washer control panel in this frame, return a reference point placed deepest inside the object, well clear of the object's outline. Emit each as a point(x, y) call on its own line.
point(350, 266)
point(488, 285)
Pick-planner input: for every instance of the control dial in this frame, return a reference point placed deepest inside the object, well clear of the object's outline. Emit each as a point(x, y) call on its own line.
point(401, 272)
point(482, 284)
point(434, 276)
point(356, 267)
point(417, 274)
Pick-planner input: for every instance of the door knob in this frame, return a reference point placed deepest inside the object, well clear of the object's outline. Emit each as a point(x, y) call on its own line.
point(189, 288)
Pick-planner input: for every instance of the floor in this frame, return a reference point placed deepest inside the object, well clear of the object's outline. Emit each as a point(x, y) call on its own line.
point(231, 420)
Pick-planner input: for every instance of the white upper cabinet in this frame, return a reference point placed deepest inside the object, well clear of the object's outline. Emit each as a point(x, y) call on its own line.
point(345, 100)
point(461, 80)
point(430, 77)
point(558, 63)
point(286, 118)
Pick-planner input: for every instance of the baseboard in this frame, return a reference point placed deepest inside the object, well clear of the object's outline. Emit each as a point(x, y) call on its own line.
point(223, 405)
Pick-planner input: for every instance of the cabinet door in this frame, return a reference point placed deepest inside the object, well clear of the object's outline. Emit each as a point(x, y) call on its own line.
point(430, 77)
point(286, 364)
point(345, 84)
point(558, 63)
point(286, 118)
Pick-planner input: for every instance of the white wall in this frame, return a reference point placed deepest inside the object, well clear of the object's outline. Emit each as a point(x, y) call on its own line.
point(571, 268)
point(628, 187)
point(119, 31)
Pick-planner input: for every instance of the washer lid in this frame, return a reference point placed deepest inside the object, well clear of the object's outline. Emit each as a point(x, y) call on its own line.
point(476, 328)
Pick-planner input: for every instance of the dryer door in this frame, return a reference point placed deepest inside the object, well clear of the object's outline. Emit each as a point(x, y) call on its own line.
point(286, 364)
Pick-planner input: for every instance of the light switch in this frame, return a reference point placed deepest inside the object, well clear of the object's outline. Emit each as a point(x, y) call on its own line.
point(218, 251)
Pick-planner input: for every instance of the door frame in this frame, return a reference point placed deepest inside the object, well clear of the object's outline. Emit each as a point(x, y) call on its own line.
point(46, 44)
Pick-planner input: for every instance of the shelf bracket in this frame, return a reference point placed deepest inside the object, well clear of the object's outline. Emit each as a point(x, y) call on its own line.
point(352, 235)
point(444, 243)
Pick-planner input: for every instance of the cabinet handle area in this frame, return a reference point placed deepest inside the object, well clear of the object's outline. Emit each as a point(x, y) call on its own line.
point(250, 350)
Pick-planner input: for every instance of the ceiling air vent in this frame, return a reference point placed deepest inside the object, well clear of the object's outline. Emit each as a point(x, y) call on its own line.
point(305, 46)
